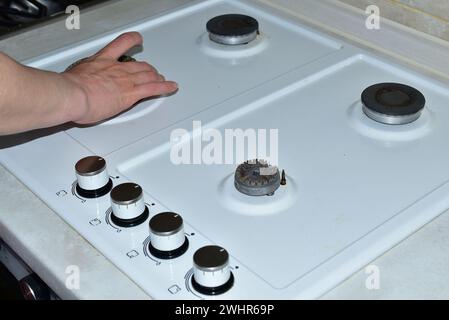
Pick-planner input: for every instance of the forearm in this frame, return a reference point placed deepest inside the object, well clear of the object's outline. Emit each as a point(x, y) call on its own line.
point(32, 99)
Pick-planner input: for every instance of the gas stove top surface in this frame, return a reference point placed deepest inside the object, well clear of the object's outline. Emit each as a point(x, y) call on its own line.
point(356, 159)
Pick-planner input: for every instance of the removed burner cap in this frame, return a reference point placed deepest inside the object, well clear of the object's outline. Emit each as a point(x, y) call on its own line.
point(232, 29)
point(257, 178)
point(393, 103)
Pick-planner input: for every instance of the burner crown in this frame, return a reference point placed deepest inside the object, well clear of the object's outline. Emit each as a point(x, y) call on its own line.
point(393, 103)
point(232, 29)
point(257, 178)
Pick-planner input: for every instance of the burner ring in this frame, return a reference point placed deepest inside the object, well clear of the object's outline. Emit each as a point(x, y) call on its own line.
point(392, 103)
point(257, 178)
point(232, 29)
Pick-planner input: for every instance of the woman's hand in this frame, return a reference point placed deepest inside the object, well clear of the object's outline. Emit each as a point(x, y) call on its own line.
point(93, 90)
point(111, 87)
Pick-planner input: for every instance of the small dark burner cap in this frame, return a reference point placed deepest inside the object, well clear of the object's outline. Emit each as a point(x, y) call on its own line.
point(126, 58)
point(257, 178)
point(393, 103)
point(232, 29)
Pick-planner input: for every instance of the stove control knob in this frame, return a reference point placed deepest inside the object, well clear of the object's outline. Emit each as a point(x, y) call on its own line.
point(92, 177)
point(128, 205)
point(212, 275)
point(167, 238)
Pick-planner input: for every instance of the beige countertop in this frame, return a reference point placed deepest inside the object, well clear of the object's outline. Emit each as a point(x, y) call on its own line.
point(416, 268)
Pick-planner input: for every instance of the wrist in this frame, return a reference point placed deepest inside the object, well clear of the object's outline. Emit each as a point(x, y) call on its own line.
point(76, 104)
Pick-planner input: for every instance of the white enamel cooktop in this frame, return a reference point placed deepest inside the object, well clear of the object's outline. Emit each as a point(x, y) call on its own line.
point(355, 187)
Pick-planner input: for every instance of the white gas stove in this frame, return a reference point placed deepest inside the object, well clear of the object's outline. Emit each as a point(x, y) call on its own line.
point(359, 144)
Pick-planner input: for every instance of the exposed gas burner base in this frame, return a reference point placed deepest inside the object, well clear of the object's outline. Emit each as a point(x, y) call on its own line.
point(257, 178)
point(92, 194)
point(129, 223)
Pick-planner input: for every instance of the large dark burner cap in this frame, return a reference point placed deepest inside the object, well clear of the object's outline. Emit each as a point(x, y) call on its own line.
point(232, 29)
point(393, 103)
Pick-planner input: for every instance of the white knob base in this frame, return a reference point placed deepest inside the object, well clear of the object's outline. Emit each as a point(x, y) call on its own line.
point(128, 211)
point(171, 254)
point(213, 291)
point(128, 223)
point(96, 193)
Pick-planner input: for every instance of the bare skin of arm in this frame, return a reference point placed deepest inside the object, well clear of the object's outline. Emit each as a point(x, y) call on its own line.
point(96, 89)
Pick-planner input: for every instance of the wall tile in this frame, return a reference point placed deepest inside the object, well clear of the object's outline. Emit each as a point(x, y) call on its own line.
point(429, 16)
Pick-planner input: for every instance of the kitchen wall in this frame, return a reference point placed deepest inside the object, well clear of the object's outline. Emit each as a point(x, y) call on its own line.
point(429, 16)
